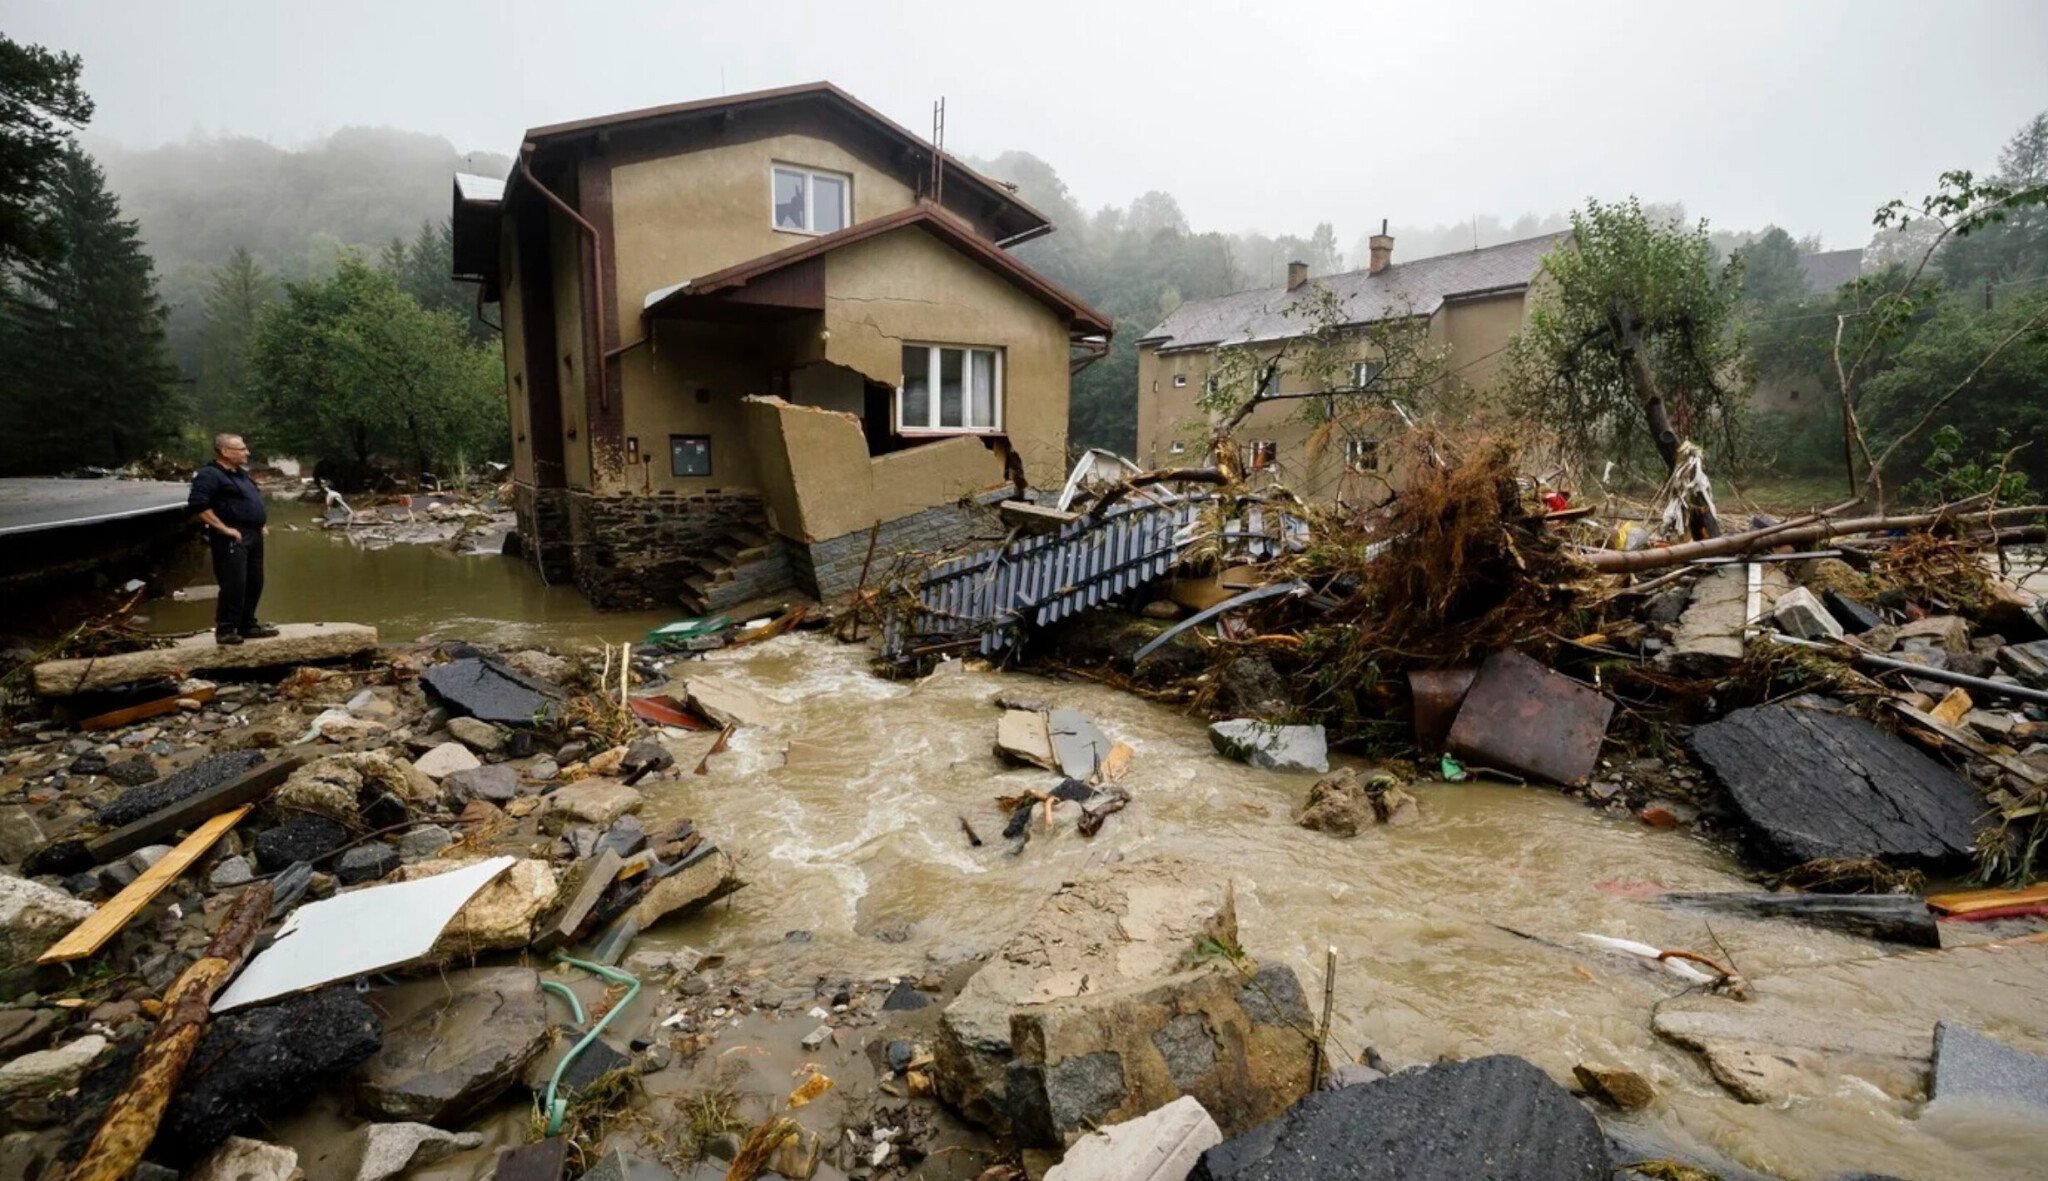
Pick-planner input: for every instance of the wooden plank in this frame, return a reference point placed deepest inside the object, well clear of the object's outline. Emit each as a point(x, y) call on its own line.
point(246, 788)
point(1972, 901)
point(148, 709)
point(106, 922)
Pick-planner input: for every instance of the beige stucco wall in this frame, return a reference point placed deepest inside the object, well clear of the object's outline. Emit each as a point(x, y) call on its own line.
point(661, 383)
point(1478, 331)
point(683, 216)
point(819, 481)
point(566, 263)
point(907, 286)
point(512, 314)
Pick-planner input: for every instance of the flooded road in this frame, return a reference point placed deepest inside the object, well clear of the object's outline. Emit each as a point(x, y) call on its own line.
point(1457, 935)
point(406, 591)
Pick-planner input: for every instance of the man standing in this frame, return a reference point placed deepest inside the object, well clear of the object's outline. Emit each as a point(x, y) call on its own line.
point(231, 505)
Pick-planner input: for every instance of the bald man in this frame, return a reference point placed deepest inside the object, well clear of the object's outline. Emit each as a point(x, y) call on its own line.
point(230, 505)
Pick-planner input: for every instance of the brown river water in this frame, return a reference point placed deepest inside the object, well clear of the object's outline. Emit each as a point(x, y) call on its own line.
point(861, 846)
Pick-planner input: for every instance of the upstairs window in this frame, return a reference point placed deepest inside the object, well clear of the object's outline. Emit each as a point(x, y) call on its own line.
point(1181, 379)
point(808, 201)
point(950, 388)
point(1362, 455)
point(1257, 455)
point(1366, 374)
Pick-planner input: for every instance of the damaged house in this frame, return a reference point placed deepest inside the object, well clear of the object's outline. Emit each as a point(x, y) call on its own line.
point(741, 332)
point(1471, 304)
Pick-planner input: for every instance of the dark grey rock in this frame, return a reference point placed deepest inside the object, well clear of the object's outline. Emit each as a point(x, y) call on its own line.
point(904, 998)
point(1273, 996)
point(304, 837)
point(597, 1060)
point(91, 762)
point(262, 1061)
point(1969, 1067)
point(366, 863)
point(1251, 686)
point(1275, 748)
point(626, 837)
point(492, 691)
point(1188, 1047)
point(455, 1044)
point(134, 804)
point(646, 755)
point(288, 887)
point(1808, 784)
point(1854, 617)
point(1497, 1118)
point(496, 782)
point(132, 772)
point(1075, 1092)
point(417, 844)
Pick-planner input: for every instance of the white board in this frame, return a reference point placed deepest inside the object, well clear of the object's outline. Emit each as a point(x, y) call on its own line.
point(357, 932)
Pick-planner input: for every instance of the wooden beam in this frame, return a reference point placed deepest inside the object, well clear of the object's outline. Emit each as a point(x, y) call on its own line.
point(246, 788)
point(106, 922)
point(148, 709)
point(1971, 901)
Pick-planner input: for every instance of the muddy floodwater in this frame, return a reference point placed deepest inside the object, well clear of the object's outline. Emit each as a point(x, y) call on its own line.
point(1455, 936)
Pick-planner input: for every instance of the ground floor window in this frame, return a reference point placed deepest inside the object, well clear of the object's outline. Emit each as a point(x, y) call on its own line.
point(689, 455)
point(1362, 455)
point(950, 388)
point(1257, 455)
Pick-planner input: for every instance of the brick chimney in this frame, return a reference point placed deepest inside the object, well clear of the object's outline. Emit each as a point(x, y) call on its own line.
point(1382, 248)
point(1297, 275)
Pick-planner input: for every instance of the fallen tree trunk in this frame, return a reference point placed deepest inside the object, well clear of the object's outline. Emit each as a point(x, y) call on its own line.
point(1632, 561)
point(131, 1120)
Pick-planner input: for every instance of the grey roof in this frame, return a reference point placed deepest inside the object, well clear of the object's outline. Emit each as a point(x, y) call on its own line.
point(1402, 289)
point(479, 188)
point(1829, 269)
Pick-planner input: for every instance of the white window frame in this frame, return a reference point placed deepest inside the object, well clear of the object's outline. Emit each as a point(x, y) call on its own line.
point(810, 198)
point(1179, 380)
point(1362, 455)
point(1176, 448)
point(1365, 373)
point(932, 425)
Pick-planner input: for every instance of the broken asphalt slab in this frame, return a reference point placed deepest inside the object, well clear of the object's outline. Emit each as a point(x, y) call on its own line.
point(1809, 784)
point(1972, 1068)
point(1896, 918)
point(1497, 1117)
point(211, 771)
point(489, 689)
point(454, 1043)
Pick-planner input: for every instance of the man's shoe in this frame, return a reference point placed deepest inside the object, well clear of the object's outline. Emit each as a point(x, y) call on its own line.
point(258, 631)
point(227, 638)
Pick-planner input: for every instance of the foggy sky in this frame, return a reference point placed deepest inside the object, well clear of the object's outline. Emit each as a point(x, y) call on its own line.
point(1271, 117)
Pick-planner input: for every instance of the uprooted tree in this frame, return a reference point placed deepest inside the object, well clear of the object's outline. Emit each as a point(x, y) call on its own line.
point(1635, 335)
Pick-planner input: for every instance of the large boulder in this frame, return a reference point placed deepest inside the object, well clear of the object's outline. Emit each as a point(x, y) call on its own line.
point(501, 915)
point(1809, 784)
point(263, 1060)
point(492, 691)
point(455, 1043)
point(32, 917)
point(1497, 1118)
point(1348, 801)
point(1103, 1008)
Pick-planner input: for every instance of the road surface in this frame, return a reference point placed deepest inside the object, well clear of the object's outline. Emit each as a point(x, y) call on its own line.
point(31, 505)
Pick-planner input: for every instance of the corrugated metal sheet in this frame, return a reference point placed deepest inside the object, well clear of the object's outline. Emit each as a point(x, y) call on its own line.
point(988, 598)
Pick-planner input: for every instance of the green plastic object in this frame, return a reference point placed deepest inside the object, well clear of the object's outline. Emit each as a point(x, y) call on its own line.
point(684, 629)
point(558, 1108)
point(562, 990)
point(1454, 771)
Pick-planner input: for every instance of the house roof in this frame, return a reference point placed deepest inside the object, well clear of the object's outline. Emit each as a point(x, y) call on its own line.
point(923, 216)
point(1017, 220)
point(471, 187)
point(1826, 270)
point(1401, 289)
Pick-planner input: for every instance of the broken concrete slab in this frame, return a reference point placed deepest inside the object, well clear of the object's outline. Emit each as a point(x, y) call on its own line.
point(1161, 1145)
point(34, 916)
point(383, 1151)
point(1078, 746)
point(1799, 613)
point(1527, 719)
point(445, 760)
point(1812, 1031)
point(492, 691)
point(589, 801)
point(1024, 736)
point(501, 915)
point(263, 1060)
point(453, 1044)
point(1950, 633)
point(727, 702)
point(1270, 746)
point(1972, 1068)
point(1809, 784)
point(1896, 918)
point(242, 1159)
point(295, 643)
point(1711, 632)
point(1496, 1117)
point(1098, 1011)
point(209, 772)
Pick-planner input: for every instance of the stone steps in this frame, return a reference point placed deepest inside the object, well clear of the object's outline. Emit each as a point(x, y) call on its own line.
point(746, 563)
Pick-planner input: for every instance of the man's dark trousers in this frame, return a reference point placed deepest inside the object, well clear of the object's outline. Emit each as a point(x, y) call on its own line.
point(238, 569)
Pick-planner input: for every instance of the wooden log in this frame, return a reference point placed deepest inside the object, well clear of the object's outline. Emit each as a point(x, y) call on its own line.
point(1896, 918)
point(131, 1120)
point(1630, 561)
point(296, 643)
point(148, 709)
point(106, 922)
point(246, 788)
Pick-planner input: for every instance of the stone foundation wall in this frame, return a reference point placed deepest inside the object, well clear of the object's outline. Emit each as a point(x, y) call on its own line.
point(832, 567)
point(543, 515)
point(635, 551)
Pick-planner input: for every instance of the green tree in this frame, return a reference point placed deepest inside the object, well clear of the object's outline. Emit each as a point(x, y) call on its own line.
point(1980, 373)
point(351, 368)
point(84, 376)
point(39, 101)
point(2014, 249)
point(1636, 340)
point(420, 266)
point(241, 289)
point(1770, 269)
